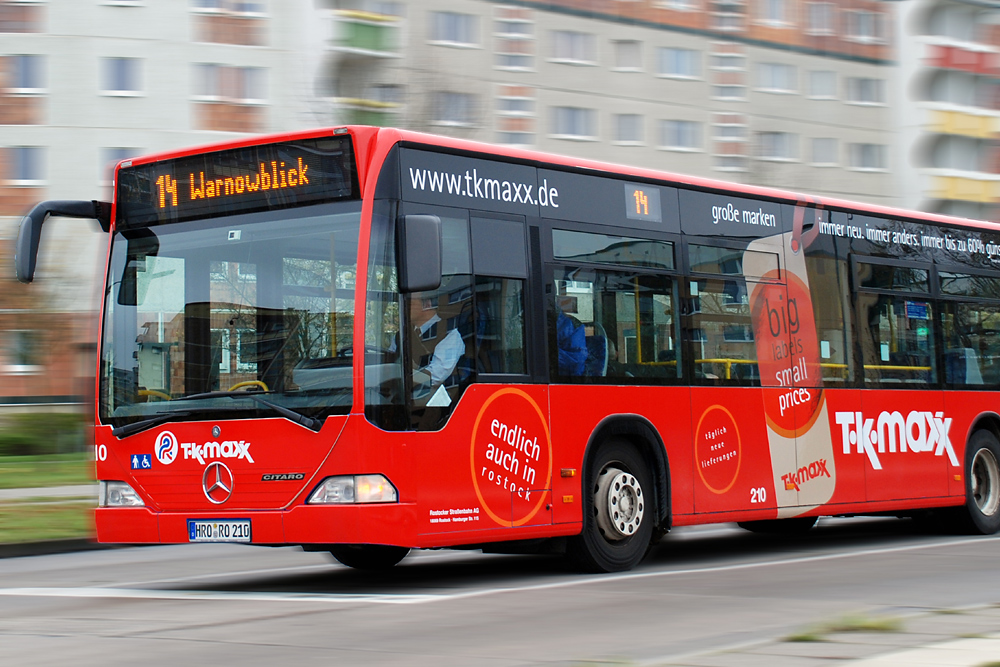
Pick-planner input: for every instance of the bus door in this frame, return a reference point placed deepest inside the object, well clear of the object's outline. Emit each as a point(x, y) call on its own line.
point(901, 433)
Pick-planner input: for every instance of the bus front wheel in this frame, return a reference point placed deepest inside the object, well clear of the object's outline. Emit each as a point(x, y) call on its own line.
point(982, 482)
point(368, 556)
point(618, 514)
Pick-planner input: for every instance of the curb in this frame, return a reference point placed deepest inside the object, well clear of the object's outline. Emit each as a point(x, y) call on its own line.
point(49, 547)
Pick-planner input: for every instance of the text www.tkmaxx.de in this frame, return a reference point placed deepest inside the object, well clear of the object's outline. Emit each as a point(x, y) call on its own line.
point(471, 184)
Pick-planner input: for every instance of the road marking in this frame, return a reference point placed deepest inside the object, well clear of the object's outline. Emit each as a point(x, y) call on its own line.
point(405, 599)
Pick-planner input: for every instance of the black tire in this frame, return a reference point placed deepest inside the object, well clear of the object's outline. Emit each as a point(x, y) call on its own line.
point(618, 511)
point(368, 556)
point(793, 526)
point(982, 483)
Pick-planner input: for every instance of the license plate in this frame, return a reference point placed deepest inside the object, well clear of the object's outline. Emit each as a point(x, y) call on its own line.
point(218, 530)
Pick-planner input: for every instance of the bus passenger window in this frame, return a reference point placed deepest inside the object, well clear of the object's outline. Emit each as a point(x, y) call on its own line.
point(971, 344)
point(897, 339)
point(720, 332)
point(500, 326)
point(615, 325)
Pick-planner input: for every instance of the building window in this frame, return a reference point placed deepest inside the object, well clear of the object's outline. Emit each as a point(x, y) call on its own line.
point(569, 46)
point(865, 27)
point(24, 353)
point(454, 29)
point(27, 166)
point(823, 84)
point(628, 128)
point(824, 151)
point(20, 17)
point(729, 61)
point(628, 55)
point(863, 90)
point(110, 157)
point(515, 40)
point(777, 145)
point(454, 109)
point(679, 5)
point(121, 76)
point(777, 77)
point(27, 74)
point(820, 18)
point(867, 156)
point(729, 92)
point(679, 63)
point(773, 12)
point(221, 83)
point(728, 15)
point(574, 123)
point(229, 6)
point(680, 135)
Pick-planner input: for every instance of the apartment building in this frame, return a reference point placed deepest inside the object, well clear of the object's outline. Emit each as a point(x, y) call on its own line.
point(793, 94)
point(949, 61)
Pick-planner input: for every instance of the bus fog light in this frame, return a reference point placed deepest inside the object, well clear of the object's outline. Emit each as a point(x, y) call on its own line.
point(350, 489)
point(118, 494)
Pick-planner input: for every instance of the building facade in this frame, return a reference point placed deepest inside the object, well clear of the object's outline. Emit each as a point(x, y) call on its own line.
point(950, 111)
point(792, 94)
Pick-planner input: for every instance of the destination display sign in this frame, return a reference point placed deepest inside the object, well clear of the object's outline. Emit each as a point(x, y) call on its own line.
point(254, 178)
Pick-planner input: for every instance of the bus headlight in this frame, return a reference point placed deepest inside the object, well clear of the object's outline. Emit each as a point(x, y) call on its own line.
point(351, 489)
point(118, 494)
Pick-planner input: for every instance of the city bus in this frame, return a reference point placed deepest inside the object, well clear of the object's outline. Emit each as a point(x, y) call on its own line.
point(366, 340)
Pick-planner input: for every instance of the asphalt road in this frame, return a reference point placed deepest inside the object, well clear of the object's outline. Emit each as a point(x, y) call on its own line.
point(700, 590)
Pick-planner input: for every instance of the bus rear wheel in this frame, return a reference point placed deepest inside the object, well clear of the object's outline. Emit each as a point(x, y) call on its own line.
point(618, 519)
point(368, 556)
point(982, 483)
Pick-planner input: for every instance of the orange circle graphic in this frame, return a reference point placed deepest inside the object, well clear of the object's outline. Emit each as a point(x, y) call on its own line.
point(721, 481)
point(492, 512)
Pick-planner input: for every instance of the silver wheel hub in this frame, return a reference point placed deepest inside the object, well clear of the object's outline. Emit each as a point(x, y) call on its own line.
point(619, 503)
point(986, 482)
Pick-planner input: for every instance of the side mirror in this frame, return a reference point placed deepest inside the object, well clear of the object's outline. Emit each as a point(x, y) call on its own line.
point(418, 253)
point(30, 232)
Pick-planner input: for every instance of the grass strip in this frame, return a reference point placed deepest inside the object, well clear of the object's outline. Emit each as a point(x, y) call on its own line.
point(25, 472)
point(34, 522)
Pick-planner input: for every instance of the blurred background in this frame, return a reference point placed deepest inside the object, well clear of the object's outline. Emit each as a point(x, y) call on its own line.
point(891, 102)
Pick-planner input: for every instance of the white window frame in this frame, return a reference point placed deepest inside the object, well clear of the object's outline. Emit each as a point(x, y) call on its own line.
point(692, 63)
point(731, 168)
point(470, 24)
point(585, 41)
point(729, 98)
point(111, 156)
point(878, 27)
point(854, 85)
point(514, 37)
point(618, 119)
point(38, 73)
point(853, 153)
point(684, 129)
point(445, 98)
point(226, 7)
point(587, 114)
point(132, 72)
point(22, 369)
point(790, 146)
point(771, 71)
point(811, 94)
point(764, 7)
point(618, 43)
point(679, 5)
point(40, 155)
point(829, 27)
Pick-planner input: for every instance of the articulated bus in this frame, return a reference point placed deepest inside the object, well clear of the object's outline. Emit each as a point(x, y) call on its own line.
point(365, 340)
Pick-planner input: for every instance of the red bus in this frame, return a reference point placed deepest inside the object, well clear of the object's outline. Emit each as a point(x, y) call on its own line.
point(365, 340)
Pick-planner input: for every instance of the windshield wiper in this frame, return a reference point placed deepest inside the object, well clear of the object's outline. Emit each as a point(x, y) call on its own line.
point(287, 413)
point(149, 422)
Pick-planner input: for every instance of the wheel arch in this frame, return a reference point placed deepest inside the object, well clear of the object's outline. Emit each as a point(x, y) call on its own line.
point(643, 435)
point(989, 421)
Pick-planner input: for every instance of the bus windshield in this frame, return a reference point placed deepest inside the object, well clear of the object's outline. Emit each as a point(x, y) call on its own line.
point(206, 318)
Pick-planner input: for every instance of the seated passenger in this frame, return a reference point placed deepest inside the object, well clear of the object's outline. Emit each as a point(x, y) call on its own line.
point(571, 340)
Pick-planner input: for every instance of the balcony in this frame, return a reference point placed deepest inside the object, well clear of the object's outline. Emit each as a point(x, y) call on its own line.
point(358, 111)
point(365, 34)
point(955, 185)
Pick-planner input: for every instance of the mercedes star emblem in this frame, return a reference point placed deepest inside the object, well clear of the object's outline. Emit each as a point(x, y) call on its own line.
point(217, 482)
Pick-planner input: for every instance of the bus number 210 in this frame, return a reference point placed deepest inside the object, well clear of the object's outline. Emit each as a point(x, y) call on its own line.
point(758, 495)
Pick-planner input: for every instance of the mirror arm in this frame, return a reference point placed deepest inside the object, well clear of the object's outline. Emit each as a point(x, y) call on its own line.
point(30, 231)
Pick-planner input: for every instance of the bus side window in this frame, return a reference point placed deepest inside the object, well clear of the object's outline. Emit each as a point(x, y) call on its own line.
point(827, 269)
